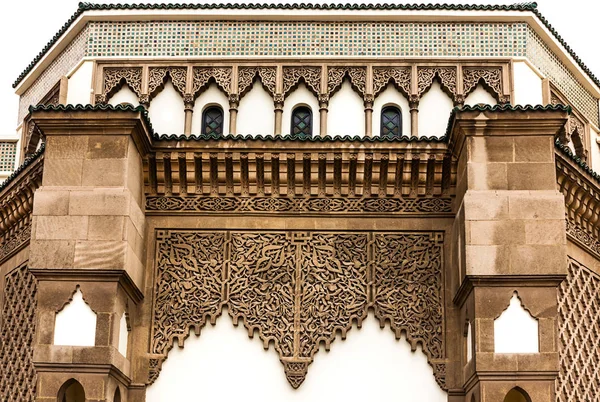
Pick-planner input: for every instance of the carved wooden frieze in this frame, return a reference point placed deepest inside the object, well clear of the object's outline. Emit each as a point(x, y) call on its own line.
point(492, 77)
point(201, 76)
point(246, 75)
point(18, 379)
point(399, 75)
point(335, 77)
point(158, 75)
point(426, 75)
point(310, 75)
point(298, 289)
point(115, 77)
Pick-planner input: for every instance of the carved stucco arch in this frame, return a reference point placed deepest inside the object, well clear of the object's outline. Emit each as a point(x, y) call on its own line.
point(298, 290)
point(116, 77)
point(266, 75)
point(203, 76)
point(311, 76)
point(399, 76)
point(490, 78)
point(356, 75)
point(158, 77)
point(445, 75)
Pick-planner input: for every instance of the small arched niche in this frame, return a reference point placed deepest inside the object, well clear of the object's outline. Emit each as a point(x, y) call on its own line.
point(480, 95)
point(117, 396)
point(346, 114)
point(123, 96)
point(71, 391)
point(517, 395)
point(516, 330)
point(123, 334)
point(435, 107)
point(166, 111)
point(256, 113)
point(209, 97)
point(391, 96)
point(299, 97)
point(75, 324)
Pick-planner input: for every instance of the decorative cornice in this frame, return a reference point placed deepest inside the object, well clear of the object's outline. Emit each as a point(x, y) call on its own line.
point(293, 138)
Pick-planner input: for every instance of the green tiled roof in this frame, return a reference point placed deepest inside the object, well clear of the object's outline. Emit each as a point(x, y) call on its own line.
point(564, 149)
point(528, 6)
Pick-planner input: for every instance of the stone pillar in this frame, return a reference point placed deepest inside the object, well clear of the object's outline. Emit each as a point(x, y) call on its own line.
point(509, 241)
point(234, 103)
point(278, 106)
point(188, 102)
point(368, 102)
point(323, 109)
point(413, 104)
point(88, 233)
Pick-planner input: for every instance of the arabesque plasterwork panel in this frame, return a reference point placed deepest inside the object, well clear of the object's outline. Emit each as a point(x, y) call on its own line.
point(296, 289)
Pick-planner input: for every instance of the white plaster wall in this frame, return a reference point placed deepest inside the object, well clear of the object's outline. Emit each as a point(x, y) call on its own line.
point(434, 111)
point(123, 335)
point(166, 111)
point(79, 88)
point(256, 112)
point(75, 324)
point(480, 95)
point(212, 96)
point(516, 331)
point(301, 96)
point(528, 85)
point(346, 114)
point(223, 364)
point(594, 154)
point(391, 97)
point(124, 95)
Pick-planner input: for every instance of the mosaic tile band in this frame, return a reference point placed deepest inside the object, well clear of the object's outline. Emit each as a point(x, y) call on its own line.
point(162, 39)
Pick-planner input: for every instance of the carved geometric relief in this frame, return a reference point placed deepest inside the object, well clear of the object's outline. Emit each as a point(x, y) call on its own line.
point(310, 75)
point(426, 75)
point(335, 76)
point(579, 335)
point(400, 75)
point(114, 77)
point(201, 76)
point(18, 377)
point(268, 77)
point(492, 77)
point(298, 289)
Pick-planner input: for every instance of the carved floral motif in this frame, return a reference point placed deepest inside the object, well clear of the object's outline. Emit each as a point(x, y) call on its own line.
point(268, 77)
point(158, 75)
point(310, 75)
point(335, 77)
point(298, 289)
point(298, 205)
point(382, 76)
point(201, 76)
point(447, 75)
point(114, 77)
point(492, 77)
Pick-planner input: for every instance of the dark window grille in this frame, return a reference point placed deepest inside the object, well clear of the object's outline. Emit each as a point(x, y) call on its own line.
point(302, 122)
point(391, 122)
point(212, 121)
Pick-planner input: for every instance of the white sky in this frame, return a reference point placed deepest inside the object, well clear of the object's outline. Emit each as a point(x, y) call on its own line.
point(27, 25)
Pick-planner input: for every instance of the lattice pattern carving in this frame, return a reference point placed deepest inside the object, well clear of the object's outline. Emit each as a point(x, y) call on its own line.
point(579, 335)
point(18, 379)
point(268, 77)
point(298, 205)
point(492, 77)
point(400, 75)
point(114, 77)
point(298, 289)
point(158, 75)
point(311, 75)
point(582, 236)
point(201, 76)
point(335, 77)
point(447, 75)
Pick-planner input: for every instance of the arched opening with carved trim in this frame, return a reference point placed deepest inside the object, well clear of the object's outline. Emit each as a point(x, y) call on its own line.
point(255, 111)
point(212, 121)
point(391, 121)
point(434, 102)
point(517, 394)
point(481, 95)
point(71, 391)
point(211, 95)
point(346, 114)
point(301, 95)
point(166, 110)
point(301, 123)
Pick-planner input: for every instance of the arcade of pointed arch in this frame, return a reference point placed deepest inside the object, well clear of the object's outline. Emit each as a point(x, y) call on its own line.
point(367, 80)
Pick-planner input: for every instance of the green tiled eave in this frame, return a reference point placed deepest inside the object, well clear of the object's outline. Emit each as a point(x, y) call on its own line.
point(526, 7)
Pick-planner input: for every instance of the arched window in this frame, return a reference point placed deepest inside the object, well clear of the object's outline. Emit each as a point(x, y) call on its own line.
point(391, 122)
point(212, 120)
point(301, 122)
point(517, 395)
point(117, 397)
point(71, 391)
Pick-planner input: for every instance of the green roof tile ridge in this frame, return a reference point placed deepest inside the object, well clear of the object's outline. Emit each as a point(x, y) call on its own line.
point(579, 161)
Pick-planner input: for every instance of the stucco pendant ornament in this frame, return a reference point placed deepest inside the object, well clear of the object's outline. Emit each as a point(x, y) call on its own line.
point(295, 371)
